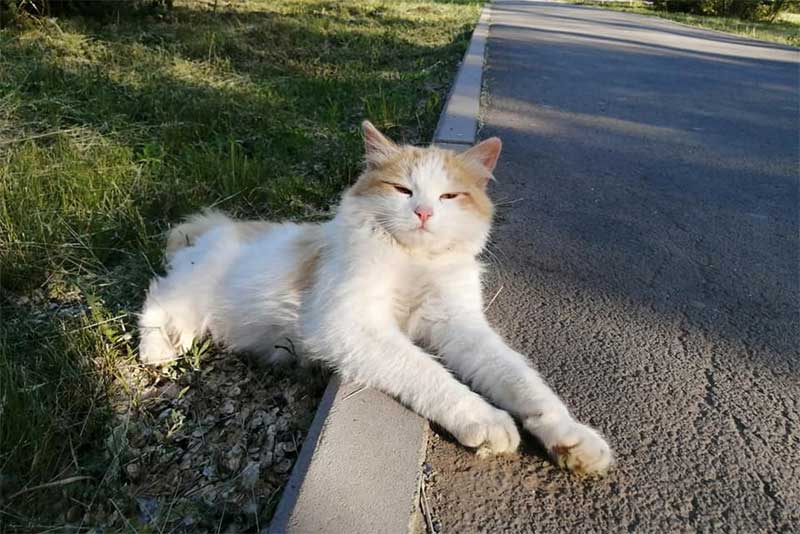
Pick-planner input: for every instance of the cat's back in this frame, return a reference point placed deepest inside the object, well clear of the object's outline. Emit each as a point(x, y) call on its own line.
point(279, 257)
point(259, 300)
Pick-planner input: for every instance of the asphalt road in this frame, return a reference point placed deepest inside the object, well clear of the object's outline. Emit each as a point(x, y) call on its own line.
point(647, 251)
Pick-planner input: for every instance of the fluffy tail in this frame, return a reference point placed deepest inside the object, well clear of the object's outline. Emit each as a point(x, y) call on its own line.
point(187, 233)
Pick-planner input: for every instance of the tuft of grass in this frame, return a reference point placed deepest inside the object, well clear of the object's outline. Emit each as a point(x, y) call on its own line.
point(785, 29)
point(112, 130)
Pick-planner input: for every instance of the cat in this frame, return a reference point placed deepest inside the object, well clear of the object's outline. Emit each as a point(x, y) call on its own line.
point(387, 294)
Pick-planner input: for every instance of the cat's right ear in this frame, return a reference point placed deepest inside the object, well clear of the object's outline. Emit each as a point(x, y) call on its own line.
point(377, 147)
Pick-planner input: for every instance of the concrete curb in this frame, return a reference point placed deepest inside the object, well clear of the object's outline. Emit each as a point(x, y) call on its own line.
point(359, 467)
point(458, 124)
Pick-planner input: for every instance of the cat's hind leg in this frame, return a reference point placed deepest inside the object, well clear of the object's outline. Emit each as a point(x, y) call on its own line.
point(155, 330)
point(170, 322)
point(175, 312)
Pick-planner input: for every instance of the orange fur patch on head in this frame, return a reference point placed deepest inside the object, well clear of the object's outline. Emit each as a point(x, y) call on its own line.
point(471, 177)
point(393, 169)
point(468, 176)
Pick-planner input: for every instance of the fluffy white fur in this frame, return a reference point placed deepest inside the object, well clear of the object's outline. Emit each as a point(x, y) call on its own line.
point(374, 296)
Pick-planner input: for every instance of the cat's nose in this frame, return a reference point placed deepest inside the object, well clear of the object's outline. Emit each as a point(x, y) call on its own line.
point(424, 213)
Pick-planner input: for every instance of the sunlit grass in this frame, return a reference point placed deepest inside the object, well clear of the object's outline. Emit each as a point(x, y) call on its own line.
point(785, 29)
point(112, 130)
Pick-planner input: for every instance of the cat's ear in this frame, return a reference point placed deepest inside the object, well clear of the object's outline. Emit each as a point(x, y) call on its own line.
point(377, 147)
point(486, 153)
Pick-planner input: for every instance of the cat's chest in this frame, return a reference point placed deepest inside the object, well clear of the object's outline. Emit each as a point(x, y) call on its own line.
point(414, 297)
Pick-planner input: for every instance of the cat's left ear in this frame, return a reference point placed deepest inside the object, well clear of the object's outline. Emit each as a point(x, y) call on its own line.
point(486, 153)
point(377, 147)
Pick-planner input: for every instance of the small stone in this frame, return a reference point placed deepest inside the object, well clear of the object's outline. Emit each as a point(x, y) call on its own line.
point(233, 459)
point(270, 418)
point(251, 508)
point(283, 424)
point(134, 471)
point(148, 393)
point(209, 472)
point(244, 413)
point(258, 419)
point(170, 390)
point(228, 407)
point(250, 475)
point(186, 461)
point(74, 514)
point(112, 518)
point(283, 467)
point(166, 457)
point(148, 508)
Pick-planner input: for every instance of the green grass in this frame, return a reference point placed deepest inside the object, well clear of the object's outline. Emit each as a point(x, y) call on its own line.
point(784, 30)
point(112, 130)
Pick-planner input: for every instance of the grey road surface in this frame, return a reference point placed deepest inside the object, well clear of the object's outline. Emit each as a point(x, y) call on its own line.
point(646, 257)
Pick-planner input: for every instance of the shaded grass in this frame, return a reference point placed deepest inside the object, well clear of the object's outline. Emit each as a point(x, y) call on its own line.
point(784, 30)
point(112, 130)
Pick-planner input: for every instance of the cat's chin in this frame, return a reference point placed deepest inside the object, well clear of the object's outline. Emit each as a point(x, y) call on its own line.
point(418, 240)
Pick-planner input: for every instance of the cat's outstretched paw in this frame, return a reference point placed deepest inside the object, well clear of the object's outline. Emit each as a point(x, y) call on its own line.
point(487, 429)
point(576, 447)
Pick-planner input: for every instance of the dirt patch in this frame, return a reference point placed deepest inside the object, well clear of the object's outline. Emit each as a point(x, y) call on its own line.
point(203, 445)
point(213, 446)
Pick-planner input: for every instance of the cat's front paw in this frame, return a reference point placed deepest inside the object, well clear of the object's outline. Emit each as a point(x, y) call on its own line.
point(485, 428)
point(575, 446)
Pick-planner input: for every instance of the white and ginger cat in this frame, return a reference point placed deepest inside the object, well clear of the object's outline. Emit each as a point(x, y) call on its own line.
point(387, 293)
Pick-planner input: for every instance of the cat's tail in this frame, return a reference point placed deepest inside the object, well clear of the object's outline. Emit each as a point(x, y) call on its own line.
point(195, 226)
point(187, 233)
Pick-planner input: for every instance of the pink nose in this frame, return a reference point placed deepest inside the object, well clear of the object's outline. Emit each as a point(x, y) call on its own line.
point(424, 213)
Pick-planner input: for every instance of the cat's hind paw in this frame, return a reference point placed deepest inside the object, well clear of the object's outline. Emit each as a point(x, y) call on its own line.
point(155, 348)
point(577, 447)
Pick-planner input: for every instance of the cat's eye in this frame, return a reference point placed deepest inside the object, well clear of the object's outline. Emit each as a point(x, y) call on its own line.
point(448, 196)
point(400, 189)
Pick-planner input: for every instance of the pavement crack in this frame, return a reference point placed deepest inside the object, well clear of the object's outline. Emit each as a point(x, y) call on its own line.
point(710, 397)
point(772, 495)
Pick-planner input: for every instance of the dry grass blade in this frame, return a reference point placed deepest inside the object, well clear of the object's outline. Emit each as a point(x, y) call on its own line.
point(486, 308)
point(55, 483)
point(354, 393)
point(425, 505)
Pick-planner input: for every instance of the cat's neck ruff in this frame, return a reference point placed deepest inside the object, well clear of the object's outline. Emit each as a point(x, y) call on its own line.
point(362, 234)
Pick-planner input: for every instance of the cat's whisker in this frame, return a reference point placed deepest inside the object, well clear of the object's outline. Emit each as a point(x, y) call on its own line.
point(486, 308)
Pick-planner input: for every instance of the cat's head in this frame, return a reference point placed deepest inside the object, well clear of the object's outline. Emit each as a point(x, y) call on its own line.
point(427, 199)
